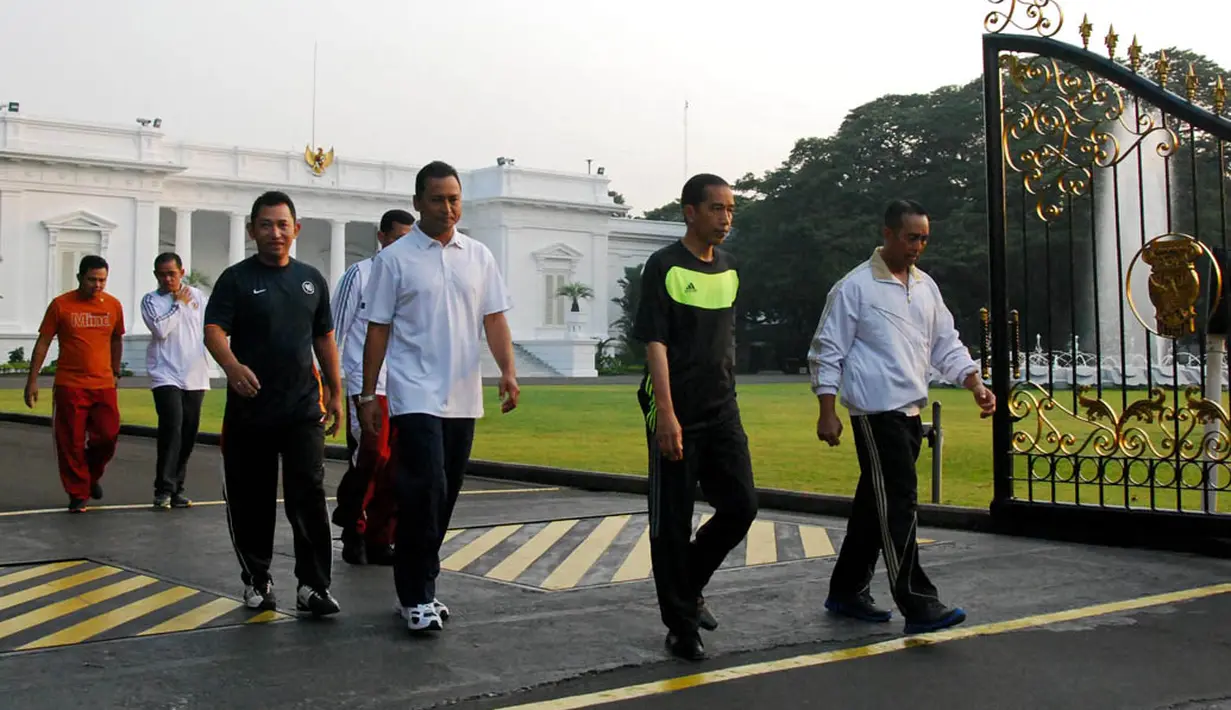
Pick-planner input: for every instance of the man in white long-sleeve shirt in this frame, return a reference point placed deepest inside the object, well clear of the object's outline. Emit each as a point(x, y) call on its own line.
point(366, 509)
point(884, 327)
point(179, 374)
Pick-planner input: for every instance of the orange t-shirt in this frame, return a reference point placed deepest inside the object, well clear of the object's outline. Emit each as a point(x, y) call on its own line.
point(84, 328)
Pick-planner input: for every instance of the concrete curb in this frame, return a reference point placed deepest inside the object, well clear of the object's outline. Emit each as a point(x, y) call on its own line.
point(931, 515)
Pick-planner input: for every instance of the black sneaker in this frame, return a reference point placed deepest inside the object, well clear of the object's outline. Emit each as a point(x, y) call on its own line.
point(687, 647)
point(316, 601)
point(354, 550)
point(862, 607)
point(941, 617)
point(96, 490)
point(260, 596)
point(179, 500)
point(705, 619)
point(379, 554)
point(77, 505)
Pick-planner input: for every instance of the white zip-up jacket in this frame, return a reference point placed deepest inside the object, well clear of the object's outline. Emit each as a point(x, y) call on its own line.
point(176, 354)
point(350, 327)
point(879, 338)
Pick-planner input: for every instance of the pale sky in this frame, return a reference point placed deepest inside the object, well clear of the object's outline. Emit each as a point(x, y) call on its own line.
point(548, 82)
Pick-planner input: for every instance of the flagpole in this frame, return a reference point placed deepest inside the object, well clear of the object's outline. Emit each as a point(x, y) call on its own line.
point(685, 140)
point(314, 45)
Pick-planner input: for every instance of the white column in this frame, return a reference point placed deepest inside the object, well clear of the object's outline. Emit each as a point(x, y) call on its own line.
point(337, 251)
point(598, 305)
point(235, 248)
point(18, 301)
point(183, 236)
point(145, 250)
point(295, 245)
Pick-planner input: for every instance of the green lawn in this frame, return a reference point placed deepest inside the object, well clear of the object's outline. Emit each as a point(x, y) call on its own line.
point(598, 428)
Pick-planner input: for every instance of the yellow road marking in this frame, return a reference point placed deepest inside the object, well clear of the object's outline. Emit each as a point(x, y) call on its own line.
point(478, 547)
point(638, 564)
point(512, 566)
point(105, 622)
point(450, 534)
point(33, 618)
point(21, 576)
point(203, 503)
point(56, 585)
point(898, 644)
point(494, 491)
point(574, 567)
point(263, 617)
point(816, 541)
point(762, 547)
point(194, 617)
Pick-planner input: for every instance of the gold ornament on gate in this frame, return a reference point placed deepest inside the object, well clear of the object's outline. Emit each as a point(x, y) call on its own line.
point(1174, 284)
point(319, 161)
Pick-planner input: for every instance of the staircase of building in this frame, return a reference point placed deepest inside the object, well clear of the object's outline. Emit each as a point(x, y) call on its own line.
point(528, 366)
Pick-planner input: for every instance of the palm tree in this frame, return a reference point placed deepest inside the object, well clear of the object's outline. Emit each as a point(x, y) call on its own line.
point(575, 290)
point(198, 279)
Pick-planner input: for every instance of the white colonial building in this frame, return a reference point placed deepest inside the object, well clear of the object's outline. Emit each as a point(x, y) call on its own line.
point(69, 188)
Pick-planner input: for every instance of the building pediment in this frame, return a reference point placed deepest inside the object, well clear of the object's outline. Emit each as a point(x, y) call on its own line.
point(83, 220)
point(557, 256)
point(79, 221)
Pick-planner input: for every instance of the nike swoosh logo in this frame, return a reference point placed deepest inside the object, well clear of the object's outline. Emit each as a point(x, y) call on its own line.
point(255, 291)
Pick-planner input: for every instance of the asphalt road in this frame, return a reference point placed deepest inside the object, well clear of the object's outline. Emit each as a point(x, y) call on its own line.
point(551, 602)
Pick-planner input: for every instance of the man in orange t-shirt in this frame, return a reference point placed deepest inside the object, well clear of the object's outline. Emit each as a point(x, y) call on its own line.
point(90, 326)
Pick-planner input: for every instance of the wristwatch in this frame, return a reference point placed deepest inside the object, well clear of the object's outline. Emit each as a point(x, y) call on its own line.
point(365, 398)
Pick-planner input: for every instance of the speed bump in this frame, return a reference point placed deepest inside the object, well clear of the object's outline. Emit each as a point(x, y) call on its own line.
point(76, 601)
point(559, 555)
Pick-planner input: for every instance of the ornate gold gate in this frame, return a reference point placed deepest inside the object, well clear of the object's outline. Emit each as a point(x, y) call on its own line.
point(1108, 184)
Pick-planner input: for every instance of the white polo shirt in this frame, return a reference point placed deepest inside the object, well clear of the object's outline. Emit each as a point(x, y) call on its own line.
point(435, 298)
point(176, 353)
point(350, 327)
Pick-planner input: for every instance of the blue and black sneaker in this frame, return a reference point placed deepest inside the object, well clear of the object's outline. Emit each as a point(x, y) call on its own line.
point(861, 607)
point(940, 617)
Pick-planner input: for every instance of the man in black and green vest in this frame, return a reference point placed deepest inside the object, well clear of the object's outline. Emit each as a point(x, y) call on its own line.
point(686, 317)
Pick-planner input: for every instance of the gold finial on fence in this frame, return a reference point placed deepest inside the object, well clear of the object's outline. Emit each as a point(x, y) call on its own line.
point(1112, 39)
point(1220, 96)
point(1163, 67)
point(1191, 82)
point(1134, 55)
point(1086, 30)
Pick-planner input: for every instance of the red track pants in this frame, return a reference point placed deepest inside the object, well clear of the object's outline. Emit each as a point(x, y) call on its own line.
point(85, 424)
point(367, 502)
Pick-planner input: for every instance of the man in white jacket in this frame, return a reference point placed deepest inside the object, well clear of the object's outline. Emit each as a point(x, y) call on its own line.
point(179, 374)
point(884, 327)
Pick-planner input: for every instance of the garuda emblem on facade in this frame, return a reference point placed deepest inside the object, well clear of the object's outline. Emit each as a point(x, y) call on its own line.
point(319, 161)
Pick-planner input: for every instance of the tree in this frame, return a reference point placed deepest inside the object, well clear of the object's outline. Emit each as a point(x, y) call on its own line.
point(633, 351)
point(669, 212)
point(615, 197)
point(575, 290)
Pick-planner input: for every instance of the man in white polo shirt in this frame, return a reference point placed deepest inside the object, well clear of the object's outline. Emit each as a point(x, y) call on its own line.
point(179, 374)
point(427, 298)
point(884, 327)
point(366, 501)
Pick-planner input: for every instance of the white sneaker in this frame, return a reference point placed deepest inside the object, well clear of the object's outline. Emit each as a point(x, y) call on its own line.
point(422, 617)
point(403, 611)
point(260, 597)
